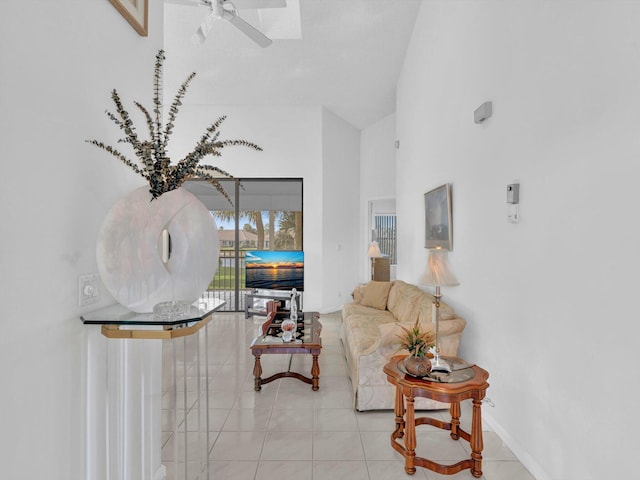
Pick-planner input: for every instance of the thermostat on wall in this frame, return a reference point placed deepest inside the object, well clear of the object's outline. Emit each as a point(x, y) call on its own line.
point(513, 200)
point(513, 193)
point(483, 112)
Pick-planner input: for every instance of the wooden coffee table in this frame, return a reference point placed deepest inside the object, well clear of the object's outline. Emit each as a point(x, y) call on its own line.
point(307, 341)
point(465, 382)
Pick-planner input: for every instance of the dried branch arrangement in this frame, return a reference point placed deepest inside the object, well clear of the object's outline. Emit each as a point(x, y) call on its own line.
point(155, 166)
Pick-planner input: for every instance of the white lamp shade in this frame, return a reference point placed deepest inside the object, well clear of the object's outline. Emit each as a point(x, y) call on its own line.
point(438, 273)
point(374, 250)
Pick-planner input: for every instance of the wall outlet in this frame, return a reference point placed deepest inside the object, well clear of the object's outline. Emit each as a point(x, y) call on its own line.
point(88, 289)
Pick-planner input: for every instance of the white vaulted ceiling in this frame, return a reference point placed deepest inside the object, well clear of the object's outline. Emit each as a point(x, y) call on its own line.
point(347, 59)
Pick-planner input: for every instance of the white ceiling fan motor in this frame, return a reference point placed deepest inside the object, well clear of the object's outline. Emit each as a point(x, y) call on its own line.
point(226, 10)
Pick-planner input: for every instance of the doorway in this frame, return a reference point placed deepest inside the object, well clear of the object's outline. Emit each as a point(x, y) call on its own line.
point(382, 224)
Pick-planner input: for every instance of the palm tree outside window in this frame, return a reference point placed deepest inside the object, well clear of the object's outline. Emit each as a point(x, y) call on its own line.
point(266, 214)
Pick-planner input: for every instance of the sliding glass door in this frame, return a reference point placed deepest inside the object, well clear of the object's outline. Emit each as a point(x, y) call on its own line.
point(264, 214)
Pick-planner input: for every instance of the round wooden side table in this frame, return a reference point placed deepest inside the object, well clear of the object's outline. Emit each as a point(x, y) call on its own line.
point(464, 382)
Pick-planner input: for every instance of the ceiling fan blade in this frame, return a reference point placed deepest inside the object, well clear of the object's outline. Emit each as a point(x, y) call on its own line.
point(257, 4)
point(198, 37)
point(255, 35)
point(203, 30)
point(191, 3)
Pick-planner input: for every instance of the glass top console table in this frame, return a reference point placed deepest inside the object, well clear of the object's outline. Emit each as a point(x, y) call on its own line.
point(142, 376)
point(119, 322)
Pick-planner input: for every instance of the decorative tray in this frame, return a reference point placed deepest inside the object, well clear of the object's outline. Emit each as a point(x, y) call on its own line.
point(274, 333)
point(461, 371)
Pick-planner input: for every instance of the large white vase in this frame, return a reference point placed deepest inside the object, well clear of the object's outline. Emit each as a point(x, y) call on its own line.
point(130, 249)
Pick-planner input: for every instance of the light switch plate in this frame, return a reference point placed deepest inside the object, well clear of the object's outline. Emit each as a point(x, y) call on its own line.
point(88, 289)
point(513, 213)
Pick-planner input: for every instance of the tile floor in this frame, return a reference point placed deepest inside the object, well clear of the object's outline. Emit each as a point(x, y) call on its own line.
point(287, 431)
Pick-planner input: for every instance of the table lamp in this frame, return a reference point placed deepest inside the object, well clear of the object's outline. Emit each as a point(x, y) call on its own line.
point(373, 253)
point(438, 274)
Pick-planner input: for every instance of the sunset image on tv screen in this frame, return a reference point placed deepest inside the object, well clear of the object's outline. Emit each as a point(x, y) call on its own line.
point(274, 270)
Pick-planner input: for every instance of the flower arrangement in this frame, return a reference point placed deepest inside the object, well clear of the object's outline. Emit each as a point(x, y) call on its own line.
point(156, 167)
point(416, 341)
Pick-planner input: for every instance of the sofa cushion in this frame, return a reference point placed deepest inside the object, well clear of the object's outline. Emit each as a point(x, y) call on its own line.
point(407, 303)
point(362, 323)
point(357, 294)
point(375, 295)
point(367, 317)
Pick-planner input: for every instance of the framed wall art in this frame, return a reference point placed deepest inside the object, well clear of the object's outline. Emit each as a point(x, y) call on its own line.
point(136, 12)
point(438, 224)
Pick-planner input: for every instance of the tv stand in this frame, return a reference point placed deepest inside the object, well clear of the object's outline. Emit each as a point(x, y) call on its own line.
point(281, 297)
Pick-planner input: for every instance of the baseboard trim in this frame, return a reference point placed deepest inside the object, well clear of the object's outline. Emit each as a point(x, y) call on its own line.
point(523, 456)
point(328, 310)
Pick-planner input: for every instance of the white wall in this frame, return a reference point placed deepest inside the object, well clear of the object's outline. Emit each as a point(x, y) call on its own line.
point(341, 192)
point(59, 61)
point(377, 181)
point(378, 159)
point(550, 301)
point(297, 142)
point(291, 142)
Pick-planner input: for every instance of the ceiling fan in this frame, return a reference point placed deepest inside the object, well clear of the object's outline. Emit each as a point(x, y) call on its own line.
point(228, 10)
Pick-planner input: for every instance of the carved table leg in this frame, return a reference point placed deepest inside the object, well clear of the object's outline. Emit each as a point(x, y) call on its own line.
point(410, 439)
point(257, 373)
point(455, 419)
point(399, 410)
point(476, 438)
point(315, 373)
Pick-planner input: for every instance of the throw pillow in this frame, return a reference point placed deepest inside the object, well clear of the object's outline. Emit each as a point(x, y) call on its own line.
point(357, 294)
point(375, 295)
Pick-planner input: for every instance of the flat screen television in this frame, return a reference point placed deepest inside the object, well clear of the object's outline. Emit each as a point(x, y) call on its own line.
point(274, 270)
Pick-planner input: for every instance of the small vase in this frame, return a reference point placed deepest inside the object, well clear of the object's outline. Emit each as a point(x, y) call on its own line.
point(288, 330)
point(417, 366)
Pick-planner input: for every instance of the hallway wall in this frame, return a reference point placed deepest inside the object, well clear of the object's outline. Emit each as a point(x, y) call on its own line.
point(550, 302)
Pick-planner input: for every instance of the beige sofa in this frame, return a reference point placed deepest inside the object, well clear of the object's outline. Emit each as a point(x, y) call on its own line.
point(368, 332)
